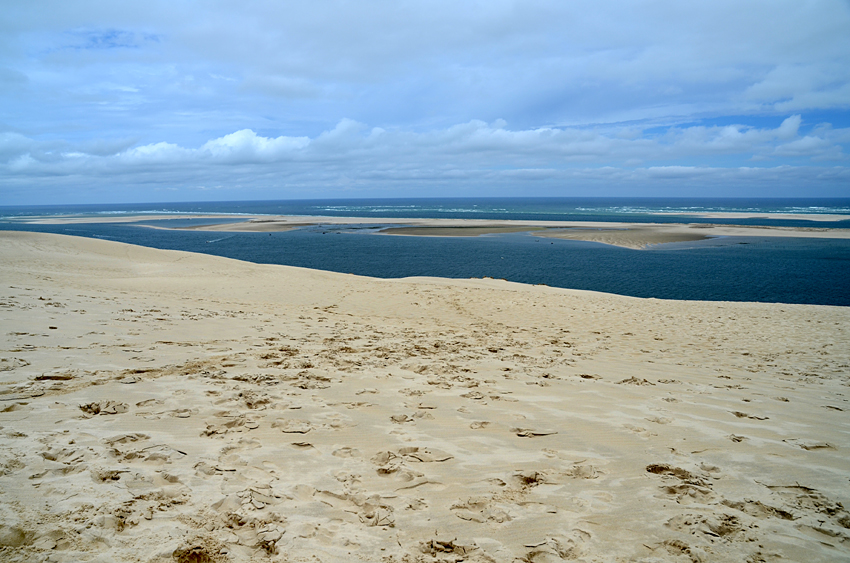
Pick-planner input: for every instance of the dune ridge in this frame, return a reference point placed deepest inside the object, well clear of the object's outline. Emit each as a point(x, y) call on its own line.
point(167, 406)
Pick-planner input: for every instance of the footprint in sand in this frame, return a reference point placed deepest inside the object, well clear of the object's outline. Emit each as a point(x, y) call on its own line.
point(659, 419)
point(345, 452)
point(17, 407)
point(334, 421)
point(639, 430)
point(254, 400)
point(358, 404)
point(823, 514)
point(227, 422)
point(581, 470)
point(292, 426)
point(456, 551)
point(757, 509)
point(424, 455)
point(371, 510)
point(635, 381)
point(479, 509)
point(750, 416)
point(721, 526)
point(104, 407)
point(810, 445)
point(689, 486)
point(390, 463)
point(145, 408)
point(182, 413)
point(416, 504)
point(157, 454)
point(556, 549)
point(532, 433)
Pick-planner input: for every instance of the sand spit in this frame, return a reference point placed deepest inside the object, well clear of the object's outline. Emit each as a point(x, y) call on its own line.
point(252, 226)
point(161, 406)
point(471, 230)
point(123, 218)
point(789, 216)
point(635, 237)
point(626, 235)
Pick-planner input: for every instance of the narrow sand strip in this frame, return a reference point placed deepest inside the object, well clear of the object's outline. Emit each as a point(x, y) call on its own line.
point(634, 237)
point(627, 235)
point(167, 406)
point(252, 226)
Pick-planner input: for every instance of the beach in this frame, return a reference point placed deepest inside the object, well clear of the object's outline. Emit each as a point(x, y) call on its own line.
point(167, 406)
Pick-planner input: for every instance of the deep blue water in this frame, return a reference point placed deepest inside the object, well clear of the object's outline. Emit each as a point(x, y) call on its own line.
point(657, 210)
point(786, 270)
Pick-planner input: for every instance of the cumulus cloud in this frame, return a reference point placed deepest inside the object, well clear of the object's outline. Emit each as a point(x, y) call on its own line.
point(352, 155)
point(246, 146)
point(474, 142)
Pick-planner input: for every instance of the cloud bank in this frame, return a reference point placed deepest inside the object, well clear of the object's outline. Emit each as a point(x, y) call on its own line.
point(297, 99)
point(485, 159)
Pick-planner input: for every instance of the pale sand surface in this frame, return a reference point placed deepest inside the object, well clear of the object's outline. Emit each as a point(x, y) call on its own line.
point(129, 218)
point(166, 406)
point(634, 237)
point(628, 235)
point(252, 226)
point(463, 231)
point(790, 216)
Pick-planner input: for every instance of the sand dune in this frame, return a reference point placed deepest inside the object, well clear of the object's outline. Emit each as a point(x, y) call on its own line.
point(165, 406)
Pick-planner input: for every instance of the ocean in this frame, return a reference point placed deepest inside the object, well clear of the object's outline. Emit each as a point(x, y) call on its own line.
point(766, 269)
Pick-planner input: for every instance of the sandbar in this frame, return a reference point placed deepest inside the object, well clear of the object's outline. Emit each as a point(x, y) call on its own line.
point(627, 235)
point(164, 406)
point(251, 226)
point(788, 216)
point(457, 231)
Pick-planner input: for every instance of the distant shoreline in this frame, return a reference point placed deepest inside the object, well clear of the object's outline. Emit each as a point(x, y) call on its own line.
point(332, 219)
point(620, 233)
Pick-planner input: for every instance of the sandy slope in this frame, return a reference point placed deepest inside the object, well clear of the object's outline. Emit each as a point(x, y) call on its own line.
point(162, 406)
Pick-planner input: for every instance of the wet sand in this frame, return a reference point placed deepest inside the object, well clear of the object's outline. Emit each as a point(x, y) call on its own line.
point(167, 406)
point(457, 231)
point(627, 235)
point(252, 226)
point(630, 237)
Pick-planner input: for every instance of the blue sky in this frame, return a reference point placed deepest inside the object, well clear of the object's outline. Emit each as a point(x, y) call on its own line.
point(104, 101)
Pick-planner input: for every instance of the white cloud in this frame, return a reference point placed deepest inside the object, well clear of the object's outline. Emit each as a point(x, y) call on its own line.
point(336, 92)
point(474, 142)
point(157, 153)
point(360, 159)
point(247, 146)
